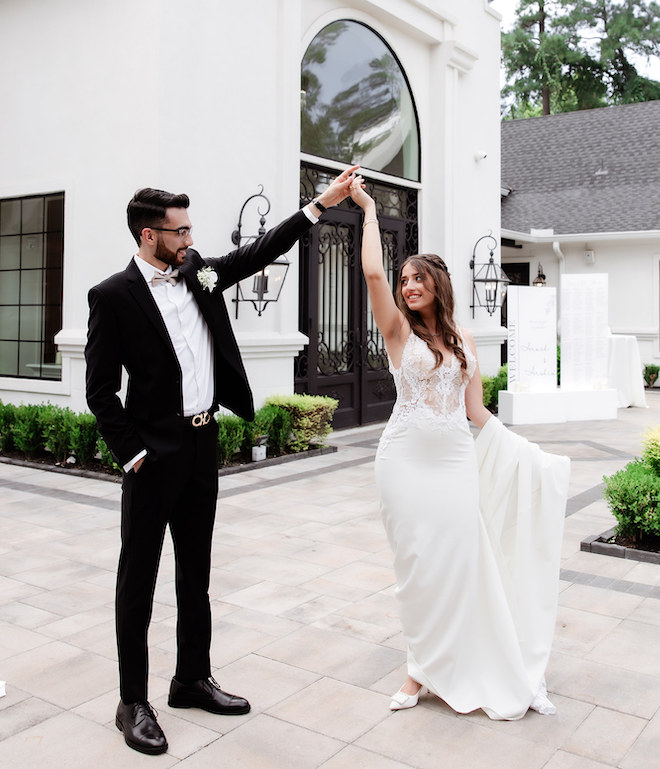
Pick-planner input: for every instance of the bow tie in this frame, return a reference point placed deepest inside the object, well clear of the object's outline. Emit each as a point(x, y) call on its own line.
point(171, 277)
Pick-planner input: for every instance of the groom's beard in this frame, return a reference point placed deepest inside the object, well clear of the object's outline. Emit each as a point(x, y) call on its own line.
point(164, 254)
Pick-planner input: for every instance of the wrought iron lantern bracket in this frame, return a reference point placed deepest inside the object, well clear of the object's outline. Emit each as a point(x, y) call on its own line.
point(489, 281)
point(270, 280)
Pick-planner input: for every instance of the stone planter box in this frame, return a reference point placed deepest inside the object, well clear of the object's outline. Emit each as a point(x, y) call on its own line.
point(598, 543)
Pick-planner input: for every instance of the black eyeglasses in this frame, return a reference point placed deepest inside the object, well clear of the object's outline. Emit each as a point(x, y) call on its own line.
point(182, 232)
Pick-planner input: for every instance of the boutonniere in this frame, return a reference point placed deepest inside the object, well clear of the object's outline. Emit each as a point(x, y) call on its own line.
point(207, 278)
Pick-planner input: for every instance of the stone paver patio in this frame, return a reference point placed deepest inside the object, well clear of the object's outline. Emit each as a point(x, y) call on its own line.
point(305, 626)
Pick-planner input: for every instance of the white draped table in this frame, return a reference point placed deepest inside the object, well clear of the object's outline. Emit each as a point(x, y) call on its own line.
point(625, 370)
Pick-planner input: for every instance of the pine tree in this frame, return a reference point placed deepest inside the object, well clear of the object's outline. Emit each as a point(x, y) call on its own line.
point(564, 55)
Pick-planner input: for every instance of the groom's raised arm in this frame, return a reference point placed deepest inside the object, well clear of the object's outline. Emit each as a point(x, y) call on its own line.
point(254, 256)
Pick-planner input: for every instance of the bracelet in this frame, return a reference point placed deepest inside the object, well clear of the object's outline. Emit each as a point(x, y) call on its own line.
point(319, 205)
point(369, 221)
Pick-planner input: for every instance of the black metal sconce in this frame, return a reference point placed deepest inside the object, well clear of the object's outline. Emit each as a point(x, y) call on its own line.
point(265, 286)
point(539, 280)
point(489, 281)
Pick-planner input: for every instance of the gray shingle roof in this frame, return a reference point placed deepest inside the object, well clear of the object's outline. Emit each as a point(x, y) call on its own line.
point(591, 171)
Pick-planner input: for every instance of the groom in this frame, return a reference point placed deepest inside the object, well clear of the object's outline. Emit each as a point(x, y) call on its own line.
point(164, 320)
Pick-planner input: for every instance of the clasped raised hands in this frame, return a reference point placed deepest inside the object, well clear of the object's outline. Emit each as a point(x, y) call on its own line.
point(338, 188)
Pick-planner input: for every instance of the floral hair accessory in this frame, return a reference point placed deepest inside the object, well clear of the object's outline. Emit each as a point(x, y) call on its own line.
point(207, 278)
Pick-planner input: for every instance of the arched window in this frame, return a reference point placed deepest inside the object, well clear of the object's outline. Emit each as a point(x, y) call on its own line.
point(356, 103)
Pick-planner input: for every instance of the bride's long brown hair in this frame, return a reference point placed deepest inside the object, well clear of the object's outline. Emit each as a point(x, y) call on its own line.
point(433, 267)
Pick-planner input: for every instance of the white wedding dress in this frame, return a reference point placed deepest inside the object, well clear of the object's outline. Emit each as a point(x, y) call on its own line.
point(475, 528)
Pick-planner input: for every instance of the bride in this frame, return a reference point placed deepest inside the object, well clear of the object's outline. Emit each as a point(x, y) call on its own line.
point(475, 526)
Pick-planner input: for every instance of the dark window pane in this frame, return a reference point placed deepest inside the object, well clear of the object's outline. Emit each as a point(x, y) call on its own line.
point(53, 287)
point(10, 217)
point(356, 103)
point(9, 283)
point(10, 252)
point(29, 359)
point(32, 323)
point(8, 323)
point(31, 254)
point(55, 213)
point(32, 283)
point(54, 249)
point(32, 248)
point(32, 218)
point(8, 358)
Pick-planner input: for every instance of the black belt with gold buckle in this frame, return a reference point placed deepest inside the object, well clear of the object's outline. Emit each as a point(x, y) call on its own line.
point(197, 420)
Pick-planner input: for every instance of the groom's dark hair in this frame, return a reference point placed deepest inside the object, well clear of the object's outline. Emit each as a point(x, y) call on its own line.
point(148, 208)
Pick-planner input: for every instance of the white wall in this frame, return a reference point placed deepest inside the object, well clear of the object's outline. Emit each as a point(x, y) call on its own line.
point(202, 97)
point(631, 261)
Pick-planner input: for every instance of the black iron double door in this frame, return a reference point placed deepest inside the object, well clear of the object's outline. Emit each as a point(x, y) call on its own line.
point(345, 357)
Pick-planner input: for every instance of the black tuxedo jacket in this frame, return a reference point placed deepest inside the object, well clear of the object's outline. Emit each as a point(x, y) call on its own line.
point(126, 330)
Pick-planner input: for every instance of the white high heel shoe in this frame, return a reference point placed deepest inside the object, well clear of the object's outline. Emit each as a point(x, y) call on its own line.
point(402, 701)
point(541, 704)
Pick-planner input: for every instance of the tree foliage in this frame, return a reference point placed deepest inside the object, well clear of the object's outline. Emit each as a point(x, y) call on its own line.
point(565, 55)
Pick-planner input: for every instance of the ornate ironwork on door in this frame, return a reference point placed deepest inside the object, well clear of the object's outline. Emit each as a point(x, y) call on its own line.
point(346, 356)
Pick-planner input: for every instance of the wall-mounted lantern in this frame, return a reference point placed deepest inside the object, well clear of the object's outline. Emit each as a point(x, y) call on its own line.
point(265, 286)
point(539, 280)
point(489, 281)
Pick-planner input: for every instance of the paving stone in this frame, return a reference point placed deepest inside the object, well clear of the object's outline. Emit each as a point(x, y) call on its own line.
point(605, 735)
point(305, 625)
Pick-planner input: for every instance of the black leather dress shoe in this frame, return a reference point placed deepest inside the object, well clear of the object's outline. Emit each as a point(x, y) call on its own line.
point(141, 731)
point(207, 695)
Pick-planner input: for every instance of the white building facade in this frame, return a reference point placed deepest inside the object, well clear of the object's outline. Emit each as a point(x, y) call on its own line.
point(204, 97)
point(580, 197)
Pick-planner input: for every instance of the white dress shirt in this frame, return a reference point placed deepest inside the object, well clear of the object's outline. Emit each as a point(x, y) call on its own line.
point(191, 340)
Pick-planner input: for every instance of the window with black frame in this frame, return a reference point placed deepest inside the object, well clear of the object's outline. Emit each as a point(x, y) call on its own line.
point(356, 103)
point(31, 255)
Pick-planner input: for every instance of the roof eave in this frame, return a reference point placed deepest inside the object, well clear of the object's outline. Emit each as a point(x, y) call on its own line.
point(592, 237)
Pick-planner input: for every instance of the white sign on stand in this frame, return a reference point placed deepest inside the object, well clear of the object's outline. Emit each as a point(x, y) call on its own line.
point(532, 339)
point(584, 332)
point(532, 397)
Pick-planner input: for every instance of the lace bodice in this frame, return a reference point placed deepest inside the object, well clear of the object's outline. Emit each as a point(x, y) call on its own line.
point(428, 397)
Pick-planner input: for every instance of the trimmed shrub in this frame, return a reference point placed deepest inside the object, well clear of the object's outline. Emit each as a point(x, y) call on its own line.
point(286, 424)
point(558, 365)
point(487, 384)
point(651, 448)
point(501, 381)
point(650, 374)
point(279, 429)
point(231, 433)
point(26, 430)
point(311, 416)
point(7, 419)
point(56, 427)
point(633, 496)
point(492, 385)
point(271, 427)
point(83, 438)
point(105, 455)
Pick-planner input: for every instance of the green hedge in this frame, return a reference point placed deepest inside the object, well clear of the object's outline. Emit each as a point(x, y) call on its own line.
point(286, 424)
point(492, 385)
point(650, 373)
point(311, 417)
point(633, 493)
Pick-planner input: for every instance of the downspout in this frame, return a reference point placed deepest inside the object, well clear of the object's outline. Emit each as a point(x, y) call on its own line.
point(560, 256)
point(561, 259)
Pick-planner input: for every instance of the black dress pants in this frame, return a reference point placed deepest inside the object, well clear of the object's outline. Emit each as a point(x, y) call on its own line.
point(180, 490)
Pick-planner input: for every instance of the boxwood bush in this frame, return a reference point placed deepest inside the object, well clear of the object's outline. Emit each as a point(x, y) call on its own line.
point(633, 494)
point(492, 385)
point(311, 417)
point(286, 424)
